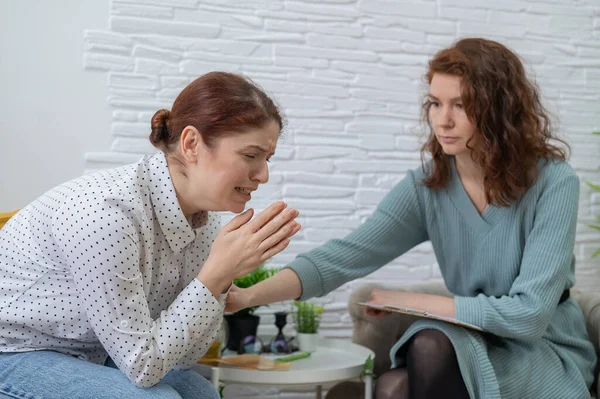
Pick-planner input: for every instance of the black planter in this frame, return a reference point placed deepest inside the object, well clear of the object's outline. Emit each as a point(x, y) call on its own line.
point(240, 326)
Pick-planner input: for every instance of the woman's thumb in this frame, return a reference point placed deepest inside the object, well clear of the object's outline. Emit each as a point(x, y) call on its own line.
point(239, 220)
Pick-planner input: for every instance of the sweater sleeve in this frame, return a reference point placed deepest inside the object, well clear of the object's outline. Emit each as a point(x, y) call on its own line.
point(547, 258)
point(395, 227)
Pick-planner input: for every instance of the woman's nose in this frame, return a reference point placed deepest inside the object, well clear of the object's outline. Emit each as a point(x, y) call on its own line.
point(262, 174)
point(444, 117)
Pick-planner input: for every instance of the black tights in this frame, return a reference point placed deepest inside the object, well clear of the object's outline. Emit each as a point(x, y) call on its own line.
point(431, 371)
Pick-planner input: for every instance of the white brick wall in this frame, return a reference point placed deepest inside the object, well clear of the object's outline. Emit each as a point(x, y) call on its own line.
point(348, 75)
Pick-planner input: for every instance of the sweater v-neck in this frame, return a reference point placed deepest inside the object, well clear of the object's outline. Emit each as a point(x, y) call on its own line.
point(481, 222)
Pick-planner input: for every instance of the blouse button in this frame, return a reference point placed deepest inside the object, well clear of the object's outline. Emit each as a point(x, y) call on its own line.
point(124, 323)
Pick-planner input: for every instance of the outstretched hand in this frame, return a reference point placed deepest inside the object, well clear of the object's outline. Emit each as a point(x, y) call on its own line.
point(237, 299)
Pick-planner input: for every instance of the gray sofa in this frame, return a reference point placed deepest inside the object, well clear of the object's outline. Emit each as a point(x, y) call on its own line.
point(380, 333)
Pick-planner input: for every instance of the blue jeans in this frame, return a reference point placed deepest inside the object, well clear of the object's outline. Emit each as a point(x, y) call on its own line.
point(54, 375)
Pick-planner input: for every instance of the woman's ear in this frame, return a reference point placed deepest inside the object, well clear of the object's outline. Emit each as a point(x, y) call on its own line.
point(191, 144)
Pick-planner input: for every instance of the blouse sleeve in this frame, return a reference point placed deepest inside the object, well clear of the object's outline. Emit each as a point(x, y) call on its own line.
point(104, 260)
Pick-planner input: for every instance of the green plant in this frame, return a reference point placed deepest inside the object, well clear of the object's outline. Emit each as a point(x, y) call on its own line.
point(595, 187)
point(369, 367)
point(307, 317)
point(259, 274)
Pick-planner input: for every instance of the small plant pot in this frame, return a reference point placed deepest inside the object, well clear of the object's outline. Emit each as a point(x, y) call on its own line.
point(240, 327)
point(307, 342)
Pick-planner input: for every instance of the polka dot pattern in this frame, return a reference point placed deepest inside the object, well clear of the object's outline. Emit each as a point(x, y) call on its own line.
point(106, 265)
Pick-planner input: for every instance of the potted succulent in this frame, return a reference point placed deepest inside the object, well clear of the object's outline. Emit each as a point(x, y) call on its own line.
point(307, 318)
point(244, 323)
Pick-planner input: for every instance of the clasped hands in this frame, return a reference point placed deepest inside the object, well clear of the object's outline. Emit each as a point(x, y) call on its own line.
point(244, 243)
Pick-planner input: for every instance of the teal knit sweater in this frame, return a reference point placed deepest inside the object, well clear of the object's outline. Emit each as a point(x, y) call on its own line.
point(507, 268)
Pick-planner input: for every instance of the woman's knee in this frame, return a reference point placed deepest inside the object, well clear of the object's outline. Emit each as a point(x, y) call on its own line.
point(189, 384)
point(431, 344)
point(112, 383)
point(159, 391)
point(177, 384)
point(58, 375)
point(392, 384)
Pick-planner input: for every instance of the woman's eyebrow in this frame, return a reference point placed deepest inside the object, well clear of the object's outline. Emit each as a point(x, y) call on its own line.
point(454, 99)
point(259, 148)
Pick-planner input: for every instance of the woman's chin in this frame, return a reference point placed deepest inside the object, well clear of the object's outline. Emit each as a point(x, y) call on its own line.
point(450, 152)
point(237, 207)
point(453, 150)
point(228, 206)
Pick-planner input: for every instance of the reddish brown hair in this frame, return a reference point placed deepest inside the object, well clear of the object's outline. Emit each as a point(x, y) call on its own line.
point(512, 126)
point(217, 104)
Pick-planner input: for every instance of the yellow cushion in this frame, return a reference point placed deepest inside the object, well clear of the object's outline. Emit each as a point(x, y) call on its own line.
point(5, 216)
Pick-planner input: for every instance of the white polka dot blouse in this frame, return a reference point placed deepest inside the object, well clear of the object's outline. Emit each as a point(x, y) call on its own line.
point(106, 264)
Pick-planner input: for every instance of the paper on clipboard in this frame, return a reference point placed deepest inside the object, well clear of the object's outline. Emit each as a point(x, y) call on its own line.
point(419, 313)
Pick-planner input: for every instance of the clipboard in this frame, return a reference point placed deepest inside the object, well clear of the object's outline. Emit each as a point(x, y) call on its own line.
point(419, 313)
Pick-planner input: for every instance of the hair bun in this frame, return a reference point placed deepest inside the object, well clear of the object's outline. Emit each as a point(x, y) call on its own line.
point(159, 136)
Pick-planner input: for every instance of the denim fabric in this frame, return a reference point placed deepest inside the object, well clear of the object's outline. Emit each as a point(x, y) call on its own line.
point(54, 375)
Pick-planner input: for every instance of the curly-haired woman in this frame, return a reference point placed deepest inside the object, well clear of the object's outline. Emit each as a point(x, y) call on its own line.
point(499, 204)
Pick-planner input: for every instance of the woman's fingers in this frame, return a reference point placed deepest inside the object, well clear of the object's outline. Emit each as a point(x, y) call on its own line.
point(297, 229)
point(236, 299)
point(238, 221)
point(274, 250)
point(273, 226)
point(374, 312)
point(286, 231)
point(266, 216)
point(260, 238)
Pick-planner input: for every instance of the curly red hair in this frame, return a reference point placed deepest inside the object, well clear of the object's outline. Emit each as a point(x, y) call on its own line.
point(513, 128)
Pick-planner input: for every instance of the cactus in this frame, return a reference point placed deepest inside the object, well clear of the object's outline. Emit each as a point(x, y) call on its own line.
point(307, 317)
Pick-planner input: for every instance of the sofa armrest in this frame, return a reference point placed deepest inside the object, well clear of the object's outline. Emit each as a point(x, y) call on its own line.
point(590, 305)
point(380, 333)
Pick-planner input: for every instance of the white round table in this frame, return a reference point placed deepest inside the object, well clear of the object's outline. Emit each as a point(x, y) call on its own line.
point(334, 360)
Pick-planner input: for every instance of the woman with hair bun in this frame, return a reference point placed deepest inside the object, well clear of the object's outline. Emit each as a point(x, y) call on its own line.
point(114, 283)
point(499, 204)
